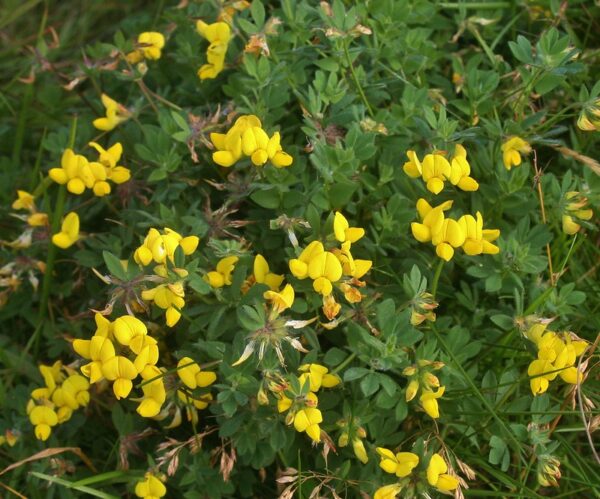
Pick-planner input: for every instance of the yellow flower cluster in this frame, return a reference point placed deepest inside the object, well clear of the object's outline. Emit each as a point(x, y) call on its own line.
point(151, 487)
point(119, 351)
point(25, 201)
point(402, 465)
point(447, 234)
point(160, 248)
point(435, 169)
point(246, 138)
point(512, 150)
point(335, 266)
point(78, 173)
point(149, 46)
point(193, 377)
point(422, 378)
point(280, 299)
point(115, 114)
point(302, 406)
point(64, 392)
point(557, 356)
point(575, 210)
point(218, 35)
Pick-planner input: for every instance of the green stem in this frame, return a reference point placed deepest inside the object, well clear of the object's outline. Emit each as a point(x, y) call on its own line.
point(355, 78)
point(436, 277)
point(56, 220)
point(346, 361)
point(20, 132)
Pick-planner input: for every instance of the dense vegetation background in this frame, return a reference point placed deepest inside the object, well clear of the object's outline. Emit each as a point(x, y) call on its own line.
point(351, 86)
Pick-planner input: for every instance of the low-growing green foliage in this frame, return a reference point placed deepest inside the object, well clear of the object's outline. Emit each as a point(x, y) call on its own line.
point(299, 249)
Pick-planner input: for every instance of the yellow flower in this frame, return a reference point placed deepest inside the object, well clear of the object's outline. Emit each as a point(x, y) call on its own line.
point(151, 44)
point(52, 374)
point(150, 488)
point(37, 219)
point(75, 171)
point(281, 300)
point(192, 376)
point(24, 201)
point(218, 34)
point(437, 476)
point(351, 267)
point(589, 118)
point(115, 114)
point(512, 150)
point(247, 138)
point(262, 275)
point(401, 464)
point(343, 231)
point(436, 169)
point(429, 402)
point(412, 389)
point(557, 356)
point(359, 450)
point(43, 418)
point(73, 392)
point(307, 420)
point(154, 392)
point(69, 232)
point(574, 211)
point(222, 275)
point(449, 236)
point(122, 371)
point(460, 171)
point(160, 247)
point(99, 350)
point(299, 266)
point(388, 491)
point(109, 159)
point(318, 377)
point(169, 297)
point(324, 269)
point(548, 471)
point(432, 219)
point(478, 240)
point(127, 327)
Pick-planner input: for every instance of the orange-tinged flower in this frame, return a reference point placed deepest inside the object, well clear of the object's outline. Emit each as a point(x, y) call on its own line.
point(115, 114)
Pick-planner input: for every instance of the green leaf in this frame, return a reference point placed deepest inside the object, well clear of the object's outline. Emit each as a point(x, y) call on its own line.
point(257, 10)
point(114, 265)
point(250, 318)
point(355, 373)
point(370, 384)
